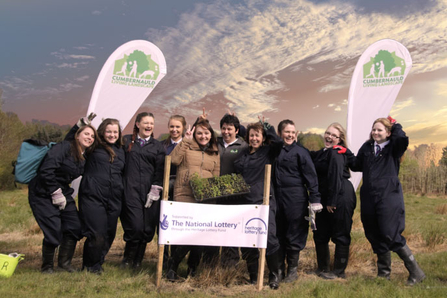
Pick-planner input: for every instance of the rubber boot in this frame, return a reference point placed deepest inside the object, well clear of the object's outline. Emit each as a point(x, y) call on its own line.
point(282, 264)
point(293, 257)
point(139, 256)
point(66, 252)
point(129, 254)
point(341, 260)
point(171, 274)
point(252, 268)
point(273, 264)
point(47, 259)
point(384, 265)
point(416, 273)
point(323, 260)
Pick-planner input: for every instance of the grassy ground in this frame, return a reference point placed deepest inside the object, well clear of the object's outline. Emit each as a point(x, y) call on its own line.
point(426, 233)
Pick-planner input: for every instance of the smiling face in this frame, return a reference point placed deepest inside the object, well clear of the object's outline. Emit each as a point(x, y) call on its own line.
point(228, 133)
point(86, 138)
point(111, 133)
point(175, 129)
point(202, 135)
point(331, 137)
point(288, 134)
point(379, 133)
point(255, 139)
point(145, 127)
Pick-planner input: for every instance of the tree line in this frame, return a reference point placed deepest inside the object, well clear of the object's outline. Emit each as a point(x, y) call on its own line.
point(423, 170)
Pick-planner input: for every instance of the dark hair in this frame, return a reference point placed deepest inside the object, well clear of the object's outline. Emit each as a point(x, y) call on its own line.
point(206, 124)
point(76, 147)
point(136, 129)
point(283, 124)
point(258, 127)
point(102, 142)
point(230, 119)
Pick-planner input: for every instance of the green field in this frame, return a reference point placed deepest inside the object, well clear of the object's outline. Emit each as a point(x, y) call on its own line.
point(426, 233)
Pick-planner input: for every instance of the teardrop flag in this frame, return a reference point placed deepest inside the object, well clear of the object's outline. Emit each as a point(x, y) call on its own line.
point(126, 80)
point(377, 79)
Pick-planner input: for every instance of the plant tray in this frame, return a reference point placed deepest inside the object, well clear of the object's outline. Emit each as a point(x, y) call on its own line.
point(225, 187)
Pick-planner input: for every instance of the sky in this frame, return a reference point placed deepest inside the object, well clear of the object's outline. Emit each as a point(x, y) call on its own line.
point(281, 59)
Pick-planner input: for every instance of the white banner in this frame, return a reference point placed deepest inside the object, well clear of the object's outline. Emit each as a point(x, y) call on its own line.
point(377, 79)
point(126, 80)
point(213, 225)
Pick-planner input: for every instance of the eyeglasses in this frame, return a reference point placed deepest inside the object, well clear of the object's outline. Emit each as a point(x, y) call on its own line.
point(327, 134)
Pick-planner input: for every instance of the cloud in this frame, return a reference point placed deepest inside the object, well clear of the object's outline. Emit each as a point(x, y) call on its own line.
point(61, 55)
point(16, 83)
point(96, 12)
point(239, 50)
point(82, 79)
point(400, 105)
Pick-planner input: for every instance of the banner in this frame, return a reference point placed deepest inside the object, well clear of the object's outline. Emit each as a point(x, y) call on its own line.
point(213, 225)
point(377, 79)
point(126, 80)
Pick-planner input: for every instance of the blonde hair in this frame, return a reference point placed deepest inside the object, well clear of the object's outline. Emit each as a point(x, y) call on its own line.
point(385, 122)
point(343, 139)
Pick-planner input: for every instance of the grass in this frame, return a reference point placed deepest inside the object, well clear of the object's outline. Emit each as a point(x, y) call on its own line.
point(426, 235)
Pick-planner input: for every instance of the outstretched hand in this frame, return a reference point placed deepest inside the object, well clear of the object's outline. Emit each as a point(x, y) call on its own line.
point(392, 120)
point(340, 149)
point(204, 114)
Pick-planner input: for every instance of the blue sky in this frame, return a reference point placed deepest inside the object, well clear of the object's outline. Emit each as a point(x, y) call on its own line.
point(284, 59)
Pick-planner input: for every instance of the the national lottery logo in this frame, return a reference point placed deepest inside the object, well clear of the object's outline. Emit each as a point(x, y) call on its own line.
point(136, 69)
point(256, 226)
point(164, 224)
point(384, 69)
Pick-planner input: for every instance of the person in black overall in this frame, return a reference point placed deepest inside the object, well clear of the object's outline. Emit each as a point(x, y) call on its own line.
point(143, 177)
point(50, 198)
point(264, 146)
point(296, 184)
point(381, 196)
point(101, 195)
point(334, 222)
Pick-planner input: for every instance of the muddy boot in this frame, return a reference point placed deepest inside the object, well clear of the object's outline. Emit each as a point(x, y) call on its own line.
point(273, 264)
point(341, 260)
point(139, 256)
point(282, 264)
point(416, 273)
point(293, 257)
point(252, 268)
point(384, 265)
point(129, 255)
point(47, 259)
point(323, 260)
point(171, 274)
point(66, 252)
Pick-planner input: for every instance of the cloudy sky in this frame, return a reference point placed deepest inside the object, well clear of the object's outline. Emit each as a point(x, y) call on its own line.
point(279, 58)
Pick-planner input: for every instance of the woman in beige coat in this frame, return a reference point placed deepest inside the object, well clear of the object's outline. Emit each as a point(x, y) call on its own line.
point(197, 153)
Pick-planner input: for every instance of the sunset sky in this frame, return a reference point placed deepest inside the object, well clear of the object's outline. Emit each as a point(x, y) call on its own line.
point(282, 59)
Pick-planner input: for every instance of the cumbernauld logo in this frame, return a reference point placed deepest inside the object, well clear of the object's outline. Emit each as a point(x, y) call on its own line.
point(164, 224)
point(256, 226)
point(136, 69)
point(384, 69)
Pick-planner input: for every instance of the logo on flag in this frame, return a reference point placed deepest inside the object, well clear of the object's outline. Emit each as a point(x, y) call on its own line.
point(384, 69)
point(136, 69)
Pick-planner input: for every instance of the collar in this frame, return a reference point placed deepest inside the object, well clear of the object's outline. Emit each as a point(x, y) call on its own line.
point(228, 144)
point(381, 145)
point(172, 142)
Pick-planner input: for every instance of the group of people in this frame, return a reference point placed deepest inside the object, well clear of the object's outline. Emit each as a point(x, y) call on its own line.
point(122, 178)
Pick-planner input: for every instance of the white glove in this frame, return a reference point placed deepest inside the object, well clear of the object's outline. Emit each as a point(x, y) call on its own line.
point(153, 195)
point(86, 120)
point(59, 199)
point(316, 207)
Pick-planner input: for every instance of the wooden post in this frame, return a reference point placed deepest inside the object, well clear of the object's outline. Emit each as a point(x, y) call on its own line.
point(161, 247)
point(268, 170)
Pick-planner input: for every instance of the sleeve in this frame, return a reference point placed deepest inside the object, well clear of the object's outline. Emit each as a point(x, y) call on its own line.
point(355, 163)
point(179, 152)
point(50, 164)
point(159, 166)
point(242, 132)
point(334, 176)
point(399, 140)
point(309, 173)
point(71, 133)
point(276, 143)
